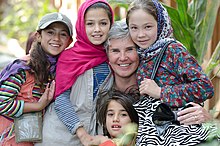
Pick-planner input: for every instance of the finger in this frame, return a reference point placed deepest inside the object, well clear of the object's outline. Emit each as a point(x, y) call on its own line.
point(186, 111)
point(193, 104)
point(47, 89)
point(52, 86)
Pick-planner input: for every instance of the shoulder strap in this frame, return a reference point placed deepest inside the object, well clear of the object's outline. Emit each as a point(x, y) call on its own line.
point(158, 60)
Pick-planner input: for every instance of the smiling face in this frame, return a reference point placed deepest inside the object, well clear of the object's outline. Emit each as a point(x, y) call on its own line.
point(97, 24)
point(143, 28)
point(54, 39)
point(116, 118)
point(123, 57)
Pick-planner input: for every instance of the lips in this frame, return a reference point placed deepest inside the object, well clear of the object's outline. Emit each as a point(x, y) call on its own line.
point(97, 36)
point(55, 45)
point(116, 127)
point(124, 65)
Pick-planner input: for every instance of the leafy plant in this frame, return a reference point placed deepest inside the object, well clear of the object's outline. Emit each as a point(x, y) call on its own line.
point(20, 17)
point(193, 25)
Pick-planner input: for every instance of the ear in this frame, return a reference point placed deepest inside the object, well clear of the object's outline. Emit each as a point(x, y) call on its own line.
point(70, 41)
point(38, 37)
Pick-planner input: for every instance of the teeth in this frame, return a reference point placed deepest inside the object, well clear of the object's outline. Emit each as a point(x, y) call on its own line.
point(55, 45)
point(97, 36)
point(123, 65)
point(116, 126)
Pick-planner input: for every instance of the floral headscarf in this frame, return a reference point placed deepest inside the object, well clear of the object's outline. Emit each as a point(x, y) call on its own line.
point(164, 32)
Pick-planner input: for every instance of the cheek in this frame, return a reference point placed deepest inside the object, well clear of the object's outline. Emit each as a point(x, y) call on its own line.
point(127, 121)
point(112, 58)
point(133, 36)
point(88, 30)
point(106, 30)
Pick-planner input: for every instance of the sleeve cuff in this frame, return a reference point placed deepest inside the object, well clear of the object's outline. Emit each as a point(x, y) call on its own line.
point(20, 112)
point(77, 126)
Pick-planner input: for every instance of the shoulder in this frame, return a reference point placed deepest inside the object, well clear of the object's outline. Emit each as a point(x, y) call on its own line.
point(176, 49)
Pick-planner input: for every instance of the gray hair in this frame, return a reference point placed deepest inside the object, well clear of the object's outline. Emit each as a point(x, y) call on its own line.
point(118, 30)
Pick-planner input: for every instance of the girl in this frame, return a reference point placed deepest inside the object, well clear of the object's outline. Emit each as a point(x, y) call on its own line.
point(81, 72)
point(115, 114)
point(179, 79)
point(27, 85)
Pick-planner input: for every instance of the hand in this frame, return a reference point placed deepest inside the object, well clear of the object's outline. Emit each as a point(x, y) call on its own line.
point(47, 96)
point(193, 115)
point(98, 139)
point(84, 137)
point(150, 88)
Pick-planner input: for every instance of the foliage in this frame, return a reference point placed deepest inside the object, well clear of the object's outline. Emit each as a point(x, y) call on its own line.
point(20, 17)
point(193, 25)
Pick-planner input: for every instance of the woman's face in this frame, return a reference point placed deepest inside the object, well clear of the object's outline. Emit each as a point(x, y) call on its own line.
point(123, 57)
point(116, 118)
point(54, 39)
point(97, 24)
point(143, 28)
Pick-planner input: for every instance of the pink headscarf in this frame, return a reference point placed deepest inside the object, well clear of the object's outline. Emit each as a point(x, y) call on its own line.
point(82, 56)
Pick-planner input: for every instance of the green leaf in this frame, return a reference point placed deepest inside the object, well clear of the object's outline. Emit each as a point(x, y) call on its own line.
point(182, 6)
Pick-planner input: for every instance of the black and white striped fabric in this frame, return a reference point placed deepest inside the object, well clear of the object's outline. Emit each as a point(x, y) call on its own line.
point(173, 136)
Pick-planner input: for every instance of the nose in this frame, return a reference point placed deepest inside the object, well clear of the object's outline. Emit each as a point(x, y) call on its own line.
point(97, 28)
point(123, 56)
point(141, 33)
point(56, 36)
point(116, 118)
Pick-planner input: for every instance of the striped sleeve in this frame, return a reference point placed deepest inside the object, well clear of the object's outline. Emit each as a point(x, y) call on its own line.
point(9, 90)
point(66, 112)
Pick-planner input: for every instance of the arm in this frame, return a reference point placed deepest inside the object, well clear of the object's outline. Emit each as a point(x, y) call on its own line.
point(194, 85)
point(66, 113)
point(9, 91)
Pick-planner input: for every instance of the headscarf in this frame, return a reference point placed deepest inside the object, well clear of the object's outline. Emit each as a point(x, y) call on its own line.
point(13, 68)
point(164, 32)
point(21, 64)
point(82, 56)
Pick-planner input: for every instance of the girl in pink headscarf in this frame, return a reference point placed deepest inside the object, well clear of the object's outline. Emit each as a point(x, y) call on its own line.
point(82, 72)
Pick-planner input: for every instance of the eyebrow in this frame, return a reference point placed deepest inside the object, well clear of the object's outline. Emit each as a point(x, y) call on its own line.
point(121, 110)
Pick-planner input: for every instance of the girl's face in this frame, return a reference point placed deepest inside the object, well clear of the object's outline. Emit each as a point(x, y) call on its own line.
point(54, 39)
point(97, 25)
point(123, 57)
point(116, 118)
point(143, 28)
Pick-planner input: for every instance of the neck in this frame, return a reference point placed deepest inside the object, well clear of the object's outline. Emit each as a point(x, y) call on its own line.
point(122, 84)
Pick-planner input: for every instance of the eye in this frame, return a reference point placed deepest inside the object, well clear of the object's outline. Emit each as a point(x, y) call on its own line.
point(65, 34)
point(148, 26)
point(133, 28)
point(104, 23)
point(89, 23)
point(114, 50)
point(110, 114)
point(50, 32)
point(124, 114)
point(131, 48)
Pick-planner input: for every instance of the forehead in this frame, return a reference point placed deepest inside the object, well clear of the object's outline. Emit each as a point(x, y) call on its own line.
point(141, 16)
point(115, 106)
point(121, 42)
point(96, 14)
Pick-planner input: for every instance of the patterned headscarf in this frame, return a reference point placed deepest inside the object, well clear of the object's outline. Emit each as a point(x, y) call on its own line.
point(164, 32)
point(82, 56)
